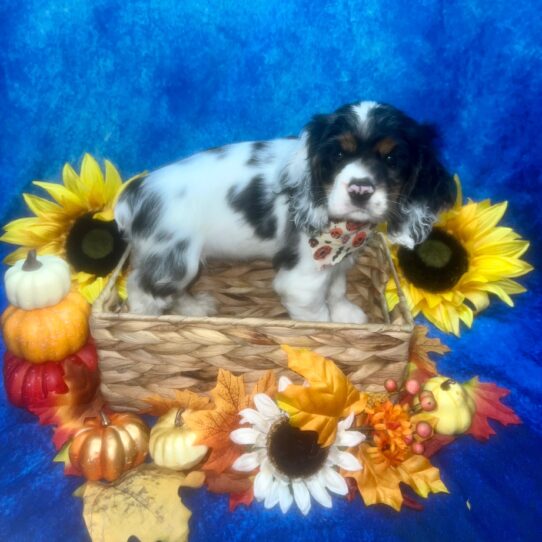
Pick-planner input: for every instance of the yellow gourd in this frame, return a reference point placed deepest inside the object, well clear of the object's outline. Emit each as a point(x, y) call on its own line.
point(455, 408)
point(172, 445)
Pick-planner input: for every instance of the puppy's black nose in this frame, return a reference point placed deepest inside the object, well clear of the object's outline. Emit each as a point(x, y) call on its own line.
point(360, 190)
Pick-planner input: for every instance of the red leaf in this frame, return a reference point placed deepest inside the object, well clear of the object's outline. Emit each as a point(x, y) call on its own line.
point(245, 498)
point(435, 443)
point(352, 488)
point(228, 482)
point(67, 419)
point(409, 502)
point(487, 398)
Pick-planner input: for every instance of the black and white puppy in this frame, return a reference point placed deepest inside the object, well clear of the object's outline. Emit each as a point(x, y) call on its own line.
point(367, 162)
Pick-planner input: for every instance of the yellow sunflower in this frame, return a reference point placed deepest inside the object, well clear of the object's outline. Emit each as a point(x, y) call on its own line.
point(466, 257)
point(77, 226)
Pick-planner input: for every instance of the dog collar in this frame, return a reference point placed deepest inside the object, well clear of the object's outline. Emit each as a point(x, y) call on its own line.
point(339, 241)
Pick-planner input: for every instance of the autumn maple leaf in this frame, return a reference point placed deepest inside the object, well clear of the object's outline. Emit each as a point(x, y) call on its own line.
point(379, 480)
point(421, 366)
point(329, 396)
point(487, 399)
point(182, 399)
point(213, 426)
point(68, 419)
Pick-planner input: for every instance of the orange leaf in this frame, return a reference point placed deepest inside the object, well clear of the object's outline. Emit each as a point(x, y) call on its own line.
point(378, 482)
point(420, 348)
point(266, 384)
point(330, 395)
point(229, 392)
point(213, 428)
point(185, 399)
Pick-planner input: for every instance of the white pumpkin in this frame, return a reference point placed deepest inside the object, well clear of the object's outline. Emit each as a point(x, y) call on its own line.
point(172, 445)
point(37, 282)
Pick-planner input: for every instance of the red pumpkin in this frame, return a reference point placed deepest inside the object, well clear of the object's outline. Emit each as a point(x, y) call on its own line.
point(72, 381)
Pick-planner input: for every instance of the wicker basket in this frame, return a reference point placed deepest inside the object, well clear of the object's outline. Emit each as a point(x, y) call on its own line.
point(148, 355)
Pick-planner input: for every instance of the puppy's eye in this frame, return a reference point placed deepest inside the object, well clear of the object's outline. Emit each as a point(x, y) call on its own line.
point(391, 160)
point(338, 156)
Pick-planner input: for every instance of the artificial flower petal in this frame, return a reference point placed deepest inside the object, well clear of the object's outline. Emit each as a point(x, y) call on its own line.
point(285, 498)
point(262, 482)
point(249, 415)
point(318, 492)
point(244, 435)
point(266, 406)
point(334, 481)
point(349, 439)
point(301, 496)
point(273, 495)
point(284, 382)
point(246, 462)
point(344, 460)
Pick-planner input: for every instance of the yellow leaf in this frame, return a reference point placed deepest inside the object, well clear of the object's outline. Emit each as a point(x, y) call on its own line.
point(418, 473)
point(185, 399)
point(330, 395)
point(378, 482)
point(144, 503)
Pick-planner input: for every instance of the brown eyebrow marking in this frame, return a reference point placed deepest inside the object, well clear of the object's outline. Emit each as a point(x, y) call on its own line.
point(348, 142)
point(385, 146)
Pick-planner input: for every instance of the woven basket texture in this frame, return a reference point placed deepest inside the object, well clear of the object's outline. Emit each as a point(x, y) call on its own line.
point(142, 356)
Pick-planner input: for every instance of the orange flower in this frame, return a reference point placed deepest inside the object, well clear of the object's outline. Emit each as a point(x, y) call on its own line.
point(392, 430)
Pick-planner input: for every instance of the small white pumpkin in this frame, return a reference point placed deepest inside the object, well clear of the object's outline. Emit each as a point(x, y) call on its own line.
point(172, 445)
point(37, 282)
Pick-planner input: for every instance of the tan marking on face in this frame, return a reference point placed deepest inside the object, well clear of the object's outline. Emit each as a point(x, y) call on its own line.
point(348, 142)
point(385, 146)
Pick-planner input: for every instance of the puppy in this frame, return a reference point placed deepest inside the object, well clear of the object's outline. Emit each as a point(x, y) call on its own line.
point(285, 200)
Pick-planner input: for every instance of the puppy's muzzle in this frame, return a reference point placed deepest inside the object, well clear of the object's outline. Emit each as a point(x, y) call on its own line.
point(360, 191)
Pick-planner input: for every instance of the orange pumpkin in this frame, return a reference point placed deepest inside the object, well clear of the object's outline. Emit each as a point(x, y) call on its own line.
point(47, 334)
point(109, 445)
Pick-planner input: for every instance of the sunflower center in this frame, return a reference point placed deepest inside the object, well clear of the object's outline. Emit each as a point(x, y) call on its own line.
point(94, 246)
point(293, 452)
point(437, 264)
point(97, 243)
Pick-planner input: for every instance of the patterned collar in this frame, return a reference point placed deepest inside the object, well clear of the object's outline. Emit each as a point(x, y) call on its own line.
point(339, 241)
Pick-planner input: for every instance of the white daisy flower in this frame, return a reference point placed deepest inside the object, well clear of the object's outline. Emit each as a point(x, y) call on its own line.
point(292, 466)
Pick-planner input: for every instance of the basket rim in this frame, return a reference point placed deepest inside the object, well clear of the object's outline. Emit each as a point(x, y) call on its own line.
point(98, 311)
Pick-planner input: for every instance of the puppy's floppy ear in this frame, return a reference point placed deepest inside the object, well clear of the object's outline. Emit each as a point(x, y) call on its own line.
point(429, 191)
point(305, 176)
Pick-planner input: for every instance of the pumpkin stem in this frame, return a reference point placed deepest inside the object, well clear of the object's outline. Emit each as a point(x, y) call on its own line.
point(31, 263)
point(105, 420)
point(179, 418)
point(447, 383)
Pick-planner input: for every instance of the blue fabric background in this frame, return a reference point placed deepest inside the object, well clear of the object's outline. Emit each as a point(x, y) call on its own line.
point(143, 83)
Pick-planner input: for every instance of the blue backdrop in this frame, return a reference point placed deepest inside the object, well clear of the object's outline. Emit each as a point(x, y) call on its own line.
point(143, 83)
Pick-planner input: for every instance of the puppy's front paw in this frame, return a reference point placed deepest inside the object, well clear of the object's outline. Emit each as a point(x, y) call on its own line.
point(345, 312)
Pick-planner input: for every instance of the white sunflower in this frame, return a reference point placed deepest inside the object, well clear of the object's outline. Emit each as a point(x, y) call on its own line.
point(292, 466)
